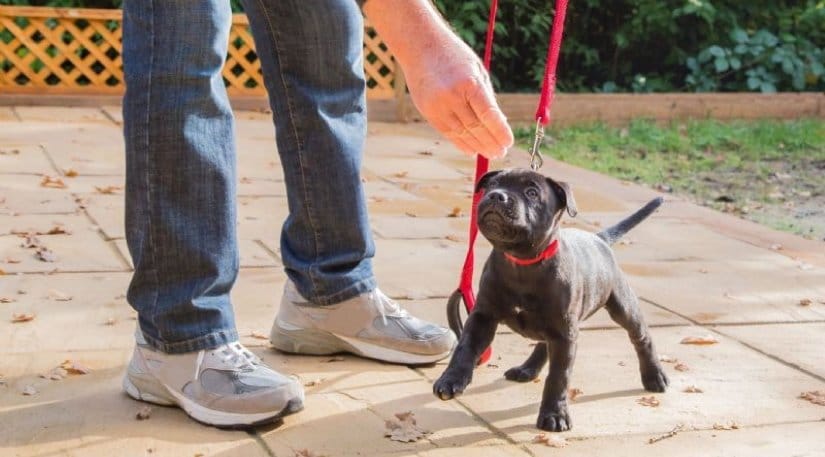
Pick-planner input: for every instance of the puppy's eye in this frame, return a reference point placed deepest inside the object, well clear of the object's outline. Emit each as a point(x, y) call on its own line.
point(532, 192)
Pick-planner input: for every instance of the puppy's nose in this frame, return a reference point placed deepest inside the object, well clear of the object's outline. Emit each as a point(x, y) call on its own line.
point(498, 196)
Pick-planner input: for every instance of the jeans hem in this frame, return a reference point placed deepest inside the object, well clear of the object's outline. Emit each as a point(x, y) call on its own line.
point(204, 342)
point(360, 287)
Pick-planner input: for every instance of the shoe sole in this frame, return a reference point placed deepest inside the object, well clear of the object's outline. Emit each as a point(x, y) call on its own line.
point(295, 340)
point(202, 414)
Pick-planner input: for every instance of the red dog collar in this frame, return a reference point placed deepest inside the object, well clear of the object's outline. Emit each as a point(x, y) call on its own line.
point(549, 252)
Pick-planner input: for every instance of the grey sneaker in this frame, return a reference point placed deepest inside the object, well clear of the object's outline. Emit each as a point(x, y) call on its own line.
point(370, 325)
point(226, 387)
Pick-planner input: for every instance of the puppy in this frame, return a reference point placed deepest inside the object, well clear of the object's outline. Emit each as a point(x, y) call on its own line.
point(542, 281)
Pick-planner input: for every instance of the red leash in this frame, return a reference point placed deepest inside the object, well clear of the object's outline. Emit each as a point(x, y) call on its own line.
point(465, 287)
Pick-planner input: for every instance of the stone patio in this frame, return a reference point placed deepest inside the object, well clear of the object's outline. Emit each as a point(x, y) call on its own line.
point(698, 272)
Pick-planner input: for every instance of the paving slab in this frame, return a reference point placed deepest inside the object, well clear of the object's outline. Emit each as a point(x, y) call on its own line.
point(802, 440)
point(797, 344)
point(739, 385)
point(23, 194)
point(61, 114)
point(22, 158)
point(82, 250)
point(7, 114)
point(90, 415)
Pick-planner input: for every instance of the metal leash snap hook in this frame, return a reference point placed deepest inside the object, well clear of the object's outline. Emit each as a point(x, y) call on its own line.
point(536, 161)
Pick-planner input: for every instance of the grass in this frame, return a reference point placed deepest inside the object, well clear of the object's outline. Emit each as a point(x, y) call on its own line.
point(741, 166)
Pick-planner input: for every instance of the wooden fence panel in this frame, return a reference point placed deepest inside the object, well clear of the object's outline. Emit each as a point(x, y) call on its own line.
point(78, 51)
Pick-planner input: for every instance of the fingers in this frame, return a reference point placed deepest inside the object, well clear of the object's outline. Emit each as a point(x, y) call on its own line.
point(483, 104)
point(451, 127)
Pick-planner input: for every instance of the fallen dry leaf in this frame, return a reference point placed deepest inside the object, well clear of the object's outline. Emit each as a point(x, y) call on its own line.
point(704, 271)
point(681, 366)
point(55, 374)
point(401, 174)
point(650, 401)
point(337, 358)
point(73, 367)
point(45, 254)
point(405, 429)
point(53, 182)
point(806, 302)
point(411, 214)
point(453, 238)
point(143, 413)
point(726, 426)
point(11, 260)
point(692, 389)
point(550, 440)
point(668, 359)
point(70, 173)
point(425, 153)
point(258, 335)
point(574, 393)
point(29, 390)
point(110, 321)
point(57, 230)
point(456, 212)
point(17, 318)
point(6, 300)
point(30, 242)
point(776, 247)
point(307, 453)
point(699, 340)
point(667, 435)
point(816, 397)
point(313, 382)
point(109, 190)
point(57, 295)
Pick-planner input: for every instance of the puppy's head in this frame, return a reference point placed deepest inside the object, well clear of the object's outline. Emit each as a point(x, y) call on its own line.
point(520, 209)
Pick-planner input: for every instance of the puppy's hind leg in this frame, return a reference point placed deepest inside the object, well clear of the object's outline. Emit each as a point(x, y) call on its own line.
point(623, 307)
point(529, 370)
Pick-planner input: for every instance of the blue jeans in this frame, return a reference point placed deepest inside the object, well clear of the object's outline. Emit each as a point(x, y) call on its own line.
point(180, 158)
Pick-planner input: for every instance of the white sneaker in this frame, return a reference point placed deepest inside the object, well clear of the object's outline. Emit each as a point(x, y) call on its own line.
point(370, 325)
point(226, 387)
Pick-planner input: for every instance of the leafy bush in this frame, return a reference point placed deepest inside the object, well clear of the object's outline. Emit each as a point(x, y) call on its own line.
point(640, 45)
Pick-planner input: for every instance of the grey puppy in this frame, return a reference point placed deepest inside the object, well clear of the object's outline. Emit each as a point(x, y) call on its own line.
point(542, 281)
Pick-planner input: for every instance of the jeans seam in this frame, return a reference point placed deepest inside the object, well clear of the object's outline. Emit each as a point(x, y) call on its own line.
point(202, 342)
point(149, 225)
point(274, 37)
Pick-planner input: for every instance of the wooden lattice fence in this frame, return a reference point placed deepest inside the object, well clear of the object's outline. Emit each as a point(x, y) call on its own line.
point(77, 51)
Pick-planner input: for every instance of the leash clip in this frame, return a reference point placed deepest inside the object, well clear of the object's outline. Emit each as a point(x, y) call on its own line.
point(536, 161)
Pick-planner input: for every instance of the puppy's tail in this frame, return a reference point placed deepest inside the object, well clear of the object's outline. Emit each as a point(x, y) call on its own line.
point(612, 234)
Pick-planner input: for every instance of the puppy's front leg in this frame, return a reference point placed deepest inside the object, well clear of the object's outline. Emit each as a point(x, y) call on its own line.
point(479, 331)
point(553, 415)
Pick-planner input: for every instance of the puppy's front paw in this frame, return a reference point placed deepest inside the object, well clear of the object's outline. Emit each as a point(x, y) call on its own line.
point(521, 374)
point(450, 384)
point(555, 421)
point(655, 380)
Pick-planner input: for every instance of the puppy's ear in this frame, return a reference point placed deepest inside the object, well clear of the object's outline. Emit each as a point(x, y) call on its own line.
point(482, 183)
point(565, 195)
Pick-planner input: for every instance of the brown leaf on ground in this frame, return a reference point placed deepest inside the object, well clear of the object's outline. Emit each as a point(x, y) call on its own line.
point(57, 230)
point(70, 173)
point(109, 190)
point(307, 453)
point(313, 382)
point(29, 390)
point(18, 318)
point(401, 174)
point(453, 238)
point(110, 321)
point(650, 401)
point(404, 429)
point(11, 260)
point(816, 397)
point(258, 335)
point(57, 295)
point(691, 389)
point(6, 300)
point(806, 302)
point(45, 254)
point(73, 367)
point(425, 153)
point(456, 212)
point(681, 366)
point(144, 413)
point(726, 426)
point(53, 182)
point(700, 340)
point(667, 435)
point(55, 374)
point(704, 271)
point(551, 440)
point(30, 242)
point(776, 247)
point(2, 273)
point(574, 393)
point(337, 358)
point(667, 359)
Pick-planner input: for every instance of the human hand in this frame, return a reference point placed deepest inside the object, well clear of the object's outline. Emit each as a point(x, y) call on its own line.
point(452, 90)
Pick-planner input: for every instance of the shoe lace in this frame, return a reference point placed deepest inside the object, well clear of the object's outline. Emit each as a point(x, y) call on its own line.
point(386, 306)
point(238, 356)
